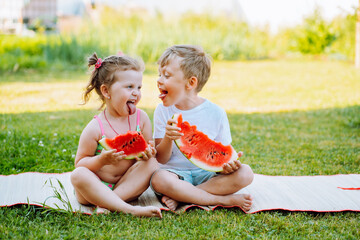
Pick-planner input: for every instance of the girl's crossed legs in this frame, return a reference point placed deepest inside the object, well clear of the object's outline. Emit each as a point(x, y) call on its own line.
point(90, 190)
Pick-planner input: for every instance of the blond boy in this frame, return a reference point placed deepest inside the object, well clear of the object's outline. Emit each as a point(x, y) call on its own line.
point(183, 71)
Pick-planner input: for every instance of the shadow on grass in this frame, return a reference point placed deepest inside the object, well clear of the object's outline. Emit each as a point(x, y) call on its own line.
point(325, 141)
point(44, 76)
point(57, 75)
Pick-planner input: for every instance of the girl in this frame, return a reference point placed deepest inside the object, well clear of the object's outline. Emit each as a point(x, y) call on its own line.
point(104, 178)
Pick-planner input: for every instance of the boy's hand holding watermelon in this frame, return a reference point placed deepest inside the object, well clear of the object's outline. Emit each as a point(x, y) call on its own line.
point(233, 166)
point(200, 149)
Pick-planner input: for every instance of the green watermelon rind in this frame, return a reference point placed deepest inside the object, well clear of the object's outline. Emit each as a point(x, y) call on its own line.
point(103, 143)
point(200, 164)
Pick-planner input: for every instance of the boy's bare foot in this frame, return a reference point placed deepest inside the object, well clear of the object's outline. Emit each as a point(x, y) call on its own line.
point(100, 210)
point(149, 211)
point(170, 203)
point(242, 200)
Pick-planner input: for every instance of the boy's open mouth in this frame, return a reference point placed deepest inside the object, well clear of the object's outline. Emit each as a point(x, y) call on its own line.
point(162, 94)
point(131, 106)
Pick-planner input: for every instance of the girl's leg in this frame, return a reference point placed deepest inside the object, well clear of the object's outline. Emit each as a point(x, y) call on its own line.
point(100, 195)
point(136, 180)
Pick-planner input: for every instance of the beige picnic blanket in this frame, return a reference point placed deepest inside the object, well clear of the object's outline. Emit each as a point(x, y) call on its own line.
point(293, 193)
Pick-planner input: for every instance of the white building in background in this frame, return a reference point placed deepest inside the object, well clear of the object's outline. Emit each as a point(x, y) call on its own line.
point(15, 15)
point(275, 13)
point(231, 8)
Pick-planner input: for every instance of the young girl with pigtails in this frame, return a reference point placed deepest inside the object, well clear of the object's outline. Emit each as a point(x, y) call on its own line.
point(105, 178)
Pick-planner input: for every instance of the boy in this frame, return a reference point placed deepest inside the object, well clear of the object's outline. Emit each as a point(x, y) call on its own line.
point(183, 71)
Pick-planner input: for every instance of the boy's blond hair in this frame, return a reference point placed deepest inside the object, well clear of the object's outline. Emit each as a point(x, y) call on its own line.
point(193, 62)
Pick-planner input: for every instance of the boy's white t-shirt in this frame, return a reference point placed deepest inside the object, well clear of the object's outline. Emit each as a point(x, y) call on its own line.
point(207, 117)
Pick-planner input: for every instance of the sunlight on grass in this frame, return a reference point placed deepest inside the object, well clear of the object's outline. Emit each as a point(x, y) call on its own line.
point(41, 125)
point(282, 86)
point(260, 86)
point(56, 96)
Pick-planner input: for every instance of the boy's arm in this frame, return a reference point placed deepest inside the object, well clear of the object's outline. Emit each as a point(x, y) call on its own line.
point(164, 145)
point(146, 128)
point(224, 136)
point(163, 149)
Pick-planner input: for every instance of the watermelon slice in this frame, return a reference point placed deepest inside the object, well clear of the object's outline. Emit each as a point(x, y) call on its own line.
point(132, 143)
point(201, 150)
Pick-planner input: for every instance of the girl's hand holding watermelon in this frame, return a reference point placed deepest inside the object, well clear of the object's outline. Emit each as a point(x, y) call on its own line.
point(150, 152)
point(111, 157)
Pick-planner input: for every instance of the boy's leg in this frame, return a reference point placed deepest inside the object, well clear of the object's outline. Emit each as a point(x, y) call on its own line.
point(89, 189)
point(170, 185)
point(230, 183)
point(136, 180)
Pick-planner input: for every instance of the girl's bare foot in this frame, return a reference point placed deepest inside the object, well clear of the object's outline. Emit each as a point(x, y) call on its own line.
point(149, 211)
point(242, 200)
point(100, 210)
point(170, 203)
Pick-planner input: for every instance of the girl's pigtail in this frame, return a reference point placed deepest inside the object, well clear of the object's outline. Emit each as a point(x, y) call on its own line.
point(92, 60)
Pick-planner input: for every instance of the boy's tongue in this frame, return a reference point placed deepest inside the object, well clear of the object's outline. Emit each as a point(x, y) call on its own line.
point(132, 108)
point(162, 95)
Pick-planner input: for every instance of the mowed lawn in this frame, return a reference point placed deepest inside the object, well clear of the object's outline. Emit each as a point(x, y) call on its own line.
point(289, 118)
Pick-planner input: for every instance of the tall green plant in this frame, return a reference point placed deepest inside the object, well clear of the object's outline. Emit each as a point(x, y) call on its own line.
point(148, 36)
point(313, 36)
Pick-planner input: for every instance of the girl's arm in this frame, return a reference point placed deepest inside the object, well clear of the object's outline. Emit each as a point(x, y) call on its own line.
point(85, 155)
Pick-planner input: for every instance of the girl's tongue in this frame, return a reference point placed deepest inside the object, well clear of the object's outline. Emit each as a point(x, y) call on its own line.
point(131, 107)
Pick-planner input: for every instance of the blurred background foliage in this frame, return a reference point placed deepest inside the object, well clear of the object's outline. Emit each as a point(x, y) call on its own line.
point(148, 36)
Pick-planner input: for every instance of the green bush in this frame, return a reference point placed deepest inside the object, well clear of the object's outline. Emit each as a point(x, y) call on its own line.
point(316, 36)
point(313, 36)
point(148, 36)
point(344, 28)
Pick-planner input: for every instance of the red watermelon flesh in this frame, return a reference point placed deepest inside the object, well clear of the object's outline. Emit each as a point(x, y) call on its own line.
point(132, 143)
point(201, 150)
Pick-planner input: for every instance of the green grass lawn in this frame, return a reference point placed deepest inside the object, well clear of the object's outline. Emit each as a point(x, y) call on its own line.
point(289, 118)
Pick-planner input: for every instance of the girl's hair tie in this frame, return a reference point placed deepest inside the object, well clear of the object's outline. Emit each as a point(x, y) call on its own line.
point(98, 63)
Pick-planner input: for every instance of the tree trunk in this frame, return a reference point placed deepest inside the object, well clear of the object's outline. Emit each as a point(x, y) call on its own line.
point(357, 46)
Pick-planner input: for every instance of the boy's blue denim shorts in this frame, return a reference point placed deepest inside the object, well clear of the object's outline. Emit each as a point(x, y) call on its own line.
point(195, 176)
